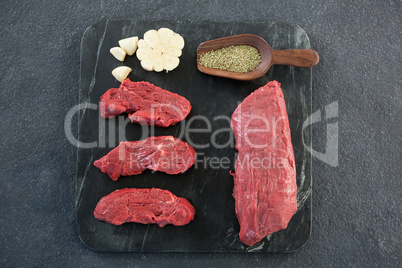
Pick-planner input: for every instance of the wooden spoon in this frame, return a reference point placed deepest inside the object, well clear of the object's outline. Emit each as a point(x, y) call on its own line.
point(269, 56)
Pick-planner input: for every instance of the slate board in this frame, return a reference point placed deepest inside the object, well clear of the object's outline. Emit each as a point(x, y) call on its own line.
point(215, 227)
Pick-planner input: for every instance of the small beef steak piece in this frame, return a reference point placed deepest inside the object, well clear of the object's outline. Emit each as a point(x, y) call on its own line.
point(164, 153)
point(144, 206)
point(265, 179)
point(145, 104)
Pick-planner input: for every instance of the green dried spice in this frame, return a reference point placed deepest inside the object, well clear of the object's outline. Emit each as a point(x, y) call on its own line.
point(236, 58)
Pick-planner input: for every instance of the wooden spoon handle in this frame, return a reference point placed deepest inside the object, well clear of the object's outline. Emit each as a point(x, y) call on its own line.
point(295, 57)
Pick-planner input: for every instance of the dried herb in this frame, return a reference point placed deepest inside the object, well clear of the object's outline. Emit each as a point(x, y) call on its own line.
point(236, 58)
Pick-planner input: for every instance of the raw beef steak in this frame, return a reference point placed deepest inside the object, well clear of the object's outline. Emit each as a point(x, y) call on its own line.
point(163, 153)
point(144, 206)
point(145, 104)
point(265, 175)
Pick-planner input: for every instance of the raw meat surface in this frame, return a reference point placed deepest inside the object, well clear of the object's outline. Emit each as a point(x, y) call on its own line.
point(265, 175)
point(144, 206)
point(164, 153)
point(145, 104)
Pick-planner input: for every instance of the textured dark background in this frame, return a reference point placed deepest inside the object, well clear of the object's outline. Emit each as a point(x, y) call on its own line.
point(356, 205)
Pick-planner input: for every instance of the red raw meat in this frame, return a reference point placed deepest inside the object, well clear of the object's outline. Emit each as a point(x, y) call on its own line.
point(144, 206)
point(145, 104)
point(164, 153)
point(265, 179)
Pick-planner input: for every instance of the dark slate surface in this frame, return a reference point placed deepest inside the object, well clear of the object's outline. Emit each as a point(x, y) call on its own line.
point(356, 203)
point(213, 100)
